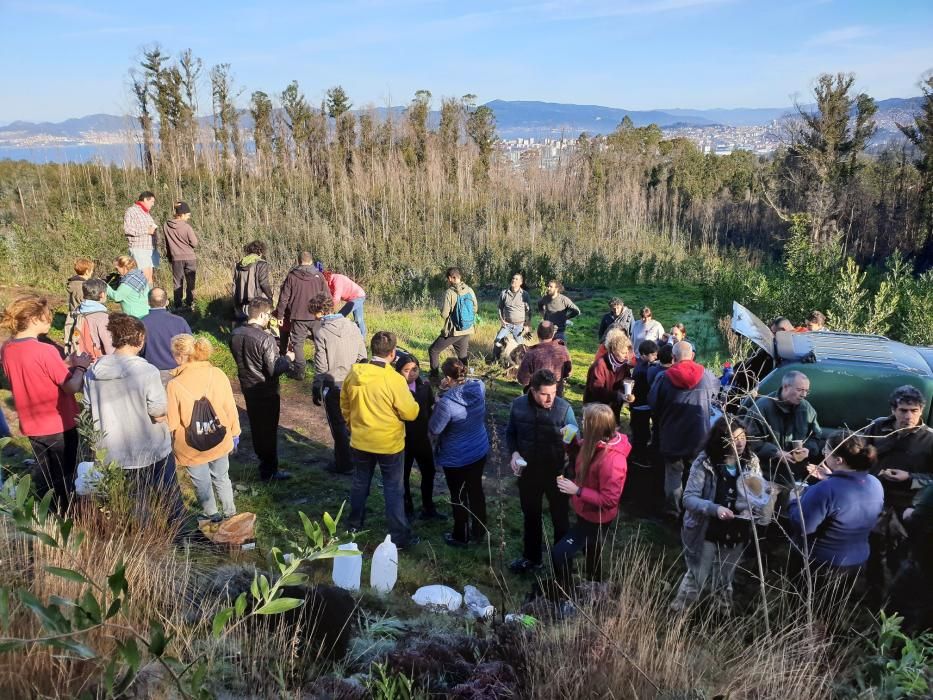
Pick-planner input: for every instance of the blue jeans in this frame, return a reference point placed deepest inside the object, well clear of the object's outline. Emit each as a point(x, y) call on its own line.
point(208, 476)
point(514, 329)
point(393, 488)
point(358, 316)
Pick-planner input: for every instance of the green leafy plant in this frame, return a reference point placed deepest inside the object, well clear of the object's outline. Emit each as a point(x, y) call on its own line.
point(900, 666)
point(104, 602)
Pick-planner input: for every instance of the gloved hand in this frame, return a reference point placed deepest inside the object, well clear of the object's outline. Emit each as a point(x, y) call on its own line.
point(316, 396)
point(236, 442)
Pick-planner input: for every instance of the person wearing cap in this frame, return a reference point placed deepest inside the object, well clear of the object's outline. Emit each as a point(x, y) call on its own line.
point(180, 242)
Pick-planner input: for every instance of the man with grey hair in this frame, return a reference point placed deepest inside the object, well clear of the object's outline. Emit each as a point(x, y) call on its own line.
point(161, 327)
point(784, 430)
point(681, 399)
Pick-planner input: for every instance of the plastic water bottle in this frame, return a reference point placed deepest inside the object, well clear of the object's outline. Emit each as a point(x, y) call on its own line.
point(384, 571)
point(348, 568)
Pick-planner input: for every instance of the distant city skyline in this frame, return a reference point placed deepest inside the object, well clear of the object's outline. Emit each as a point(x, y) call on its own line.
point(68, 59)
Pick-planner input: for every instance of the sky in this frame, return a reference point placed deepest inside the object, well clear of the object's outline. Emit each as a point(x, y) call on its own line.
point(68, 59)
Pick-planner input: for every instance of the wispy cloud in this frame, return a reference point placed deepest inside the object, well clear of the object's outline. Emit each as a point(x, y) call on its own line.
point(597, 9)
point(842, 35)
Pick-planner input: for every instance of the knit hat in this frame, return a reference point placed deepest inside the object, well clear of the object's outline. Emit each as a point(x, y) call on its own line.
point(402, 358)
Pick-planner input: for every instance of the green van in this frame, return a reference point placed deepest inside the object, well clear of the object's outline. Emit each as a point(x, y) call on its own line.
point(851, 375)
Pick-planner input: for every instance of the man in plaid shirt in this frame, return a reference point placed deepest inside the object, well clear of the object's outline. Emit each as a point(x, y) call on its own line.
point(140, 228)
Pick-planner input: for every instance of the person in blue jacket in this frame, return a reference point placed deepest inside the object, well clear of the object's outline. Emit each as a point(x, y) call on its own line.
point(837, 514)
point(458, 429)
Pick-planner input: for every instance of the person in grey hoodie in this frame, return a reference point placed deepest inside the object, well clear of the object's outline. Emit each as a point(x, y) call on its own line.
point(458, 428)
point(180, 242)
point(128, 405)
point(338, 345)
point(91, 319)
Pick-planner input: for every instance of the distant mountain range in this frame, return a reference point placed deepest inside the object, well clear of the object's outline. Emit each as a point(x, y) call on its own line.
point(514, 119)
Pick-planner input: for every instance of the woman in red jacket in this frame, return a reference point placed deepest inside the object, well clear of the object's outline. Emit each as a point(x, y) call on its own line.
point(594, 491)
point(605, 380)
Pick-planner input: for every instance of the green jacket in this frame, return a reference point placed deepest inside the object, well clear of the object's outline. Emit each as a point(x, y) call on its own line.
point(132, 302)
point(773, 424)
point(450, 302)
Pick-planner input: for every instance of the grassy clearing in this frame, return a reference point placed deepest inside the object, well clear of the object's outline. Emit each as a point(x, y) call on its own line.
point(305, 442)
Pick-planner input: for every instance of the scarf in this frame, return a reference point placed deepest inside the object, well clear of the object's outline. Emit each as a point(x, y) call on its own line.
point(142, 206)
point(135, 280)
point(613, 364)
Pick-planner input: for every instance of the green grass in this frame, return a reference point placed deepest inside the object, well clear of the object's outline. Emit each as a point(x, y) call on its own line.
point(314, 490)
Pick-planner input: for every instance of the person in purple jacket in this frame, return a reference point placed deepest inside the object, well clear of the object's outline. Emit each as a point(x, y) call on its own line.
point(837, 514)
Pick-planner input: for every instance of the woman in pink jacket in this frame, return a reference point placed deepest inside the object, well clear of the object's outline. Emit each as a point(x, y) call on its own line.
point(346, 291)
point(599, 476)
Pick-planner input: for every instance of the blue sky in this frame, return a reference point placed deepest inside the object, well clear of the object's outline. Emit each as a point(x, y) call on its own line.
point(65, 59)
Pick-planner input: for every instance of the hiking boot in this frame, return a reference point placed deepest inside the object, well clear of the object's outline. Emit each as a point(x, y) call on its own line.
point(524, 566)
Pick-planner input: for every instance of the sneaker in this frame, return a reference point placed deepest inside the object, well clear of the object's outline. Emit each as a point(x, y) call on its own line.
point(413, 540)
point(524, 566)
point(280, 475)
point(449, 539)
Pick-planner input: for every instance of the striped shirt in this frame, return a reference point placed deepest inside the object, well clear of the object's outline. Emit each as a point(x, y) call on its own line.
point(138, 225)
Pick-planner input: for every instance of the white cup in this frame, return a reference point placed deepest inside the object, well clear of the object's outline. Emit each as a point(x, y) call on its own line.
point(628, 386)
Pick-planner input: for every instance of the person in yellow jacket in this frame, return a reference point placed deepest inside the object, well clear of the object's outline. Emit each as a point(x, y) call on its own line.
point(195, 378)
point(375, 401)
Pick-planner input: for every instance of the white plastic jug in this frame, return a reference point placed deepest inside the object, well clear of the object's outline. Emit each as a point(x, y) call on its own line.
point(348, 568)
point(87, 479)
point(384, 571)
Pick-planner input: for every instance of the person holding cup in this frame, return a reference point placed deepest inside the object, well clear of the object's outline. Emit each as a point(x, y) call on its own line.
point(594, 489)
point(785, 432)
point(535, 436)
point(609, 379)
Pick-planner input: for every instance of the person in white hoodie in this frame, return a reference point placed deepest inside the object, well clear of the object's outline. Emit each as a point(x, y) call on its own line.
point(128, 404)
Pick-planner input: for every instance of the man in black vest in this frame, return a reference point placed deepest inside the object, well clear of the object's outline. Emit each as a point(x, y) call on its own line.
point(535, 441)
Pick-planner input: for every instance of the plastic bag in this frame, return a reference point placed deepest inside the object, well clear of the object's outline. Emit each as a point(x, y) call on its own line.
point(234, 531)
point(477, 604)
point(87, 480)
point(441, 598)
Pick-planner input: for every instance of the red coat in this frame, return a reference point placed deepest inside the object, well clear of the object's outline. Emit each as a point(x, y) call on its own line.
point(598, 501)
point(603, 384)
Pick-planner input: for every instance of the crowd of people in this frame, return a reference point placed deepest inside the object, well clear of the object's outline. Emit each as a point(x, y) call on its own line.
point(857, 504)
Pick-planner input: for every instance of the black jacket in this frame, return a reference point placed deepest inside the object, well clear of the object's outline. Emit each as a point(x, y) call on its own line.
point(416, 431)
point(301, 284)
point(623, 321)
point(250, 280)
point(258, 361)
point(534, 433)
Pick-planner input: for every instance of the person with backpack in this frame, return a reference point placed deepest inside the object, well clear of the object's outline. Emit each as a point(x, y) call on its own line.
point(84, 270)
point(459, 311)
point(250, 279)
point(204, 422)
point(90, 332)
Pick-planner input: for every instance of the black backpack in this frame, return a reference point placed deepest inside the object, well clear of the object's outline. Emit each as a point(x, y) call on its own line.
point(204, 431)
